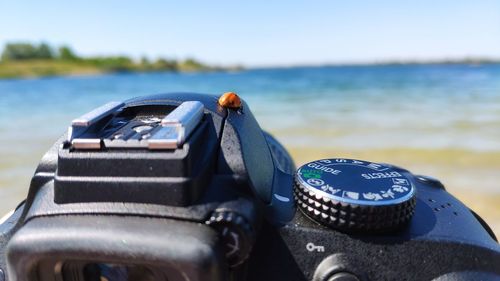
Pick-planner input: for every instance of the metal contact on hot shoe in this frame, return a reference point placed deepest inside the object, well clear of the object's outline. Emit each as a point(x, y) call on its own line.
point(82, 124)
point(177, 126)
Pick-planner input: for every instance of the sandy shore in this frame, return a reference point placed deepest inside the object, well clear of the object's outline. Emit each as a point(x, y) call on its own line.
point(469, 176)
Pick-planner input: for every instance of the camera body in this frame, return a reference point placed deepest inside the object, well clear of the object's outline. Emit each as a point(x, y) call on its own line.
point(181, 187)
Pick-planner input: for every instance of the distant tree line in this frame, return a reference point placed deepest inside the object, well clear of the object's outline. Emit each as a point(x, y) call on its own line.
point(26, 51)
point(23, 51)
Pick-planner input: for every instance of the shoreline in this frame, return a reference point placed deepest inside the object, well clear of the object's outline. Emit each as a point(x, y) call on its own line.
point(33, 69)
point(29, 69)
point(460, 171)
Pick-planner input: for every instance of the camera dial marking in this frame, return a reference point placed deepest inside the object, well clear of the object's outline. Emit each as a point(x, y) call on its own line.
point(358, 195)
point(315, 248)
point(282, 198)
point(355, 181)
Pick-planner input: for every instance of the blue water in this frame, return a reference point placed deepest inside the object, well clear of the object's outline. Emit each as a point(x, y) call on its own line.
point(350, 108)
point(416, 106)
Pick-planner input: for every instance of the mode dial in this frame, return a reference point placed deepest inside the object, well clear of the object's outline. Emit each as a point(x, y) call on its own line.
point(355, 195)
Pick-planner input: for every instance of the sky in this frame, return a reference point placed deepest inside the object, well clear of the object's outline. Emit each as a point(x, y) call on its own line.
point(261, 33)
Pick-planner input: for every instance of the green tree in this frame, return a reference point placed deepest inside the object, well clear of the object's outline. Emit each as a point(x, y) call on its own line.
point(144, 64)
point(18, 51)
point(112, 64)
point(191, 64)
point(65, 53)
point(44, 51)
point(26, 51)
point(145, 61)
point(165, 65)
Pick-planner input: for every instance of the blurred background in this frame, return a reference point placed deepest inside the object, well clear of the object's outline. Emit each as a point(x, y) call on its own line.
point(413, 84)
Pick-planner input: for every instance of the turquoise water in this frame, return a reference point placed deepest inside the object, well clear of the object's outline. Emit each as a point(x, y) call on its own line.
point(350, 108)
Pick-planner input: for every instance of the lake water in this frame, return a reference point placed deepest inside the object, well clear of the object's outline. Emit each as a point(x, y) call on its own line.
point(439, 119)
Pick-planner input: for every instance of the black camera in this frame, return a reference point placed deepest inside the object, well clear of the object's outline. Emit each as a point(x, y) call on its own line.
point(188, 187)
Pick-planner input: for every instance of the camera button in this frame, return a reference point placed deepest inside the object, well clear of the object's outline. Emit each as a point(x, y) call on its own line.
point(343, 276)
point(431, 181)
point(339, 267)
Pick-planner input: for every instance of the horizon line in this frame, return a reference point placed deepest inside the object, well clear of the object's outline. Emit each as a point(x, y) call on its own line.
point(402, 62)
